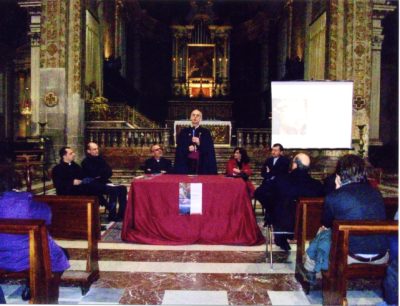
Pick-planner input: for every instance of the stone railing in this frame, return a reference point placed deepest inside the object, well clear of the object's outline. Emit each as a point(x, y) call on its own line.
point(127, 136)
point(253, 137)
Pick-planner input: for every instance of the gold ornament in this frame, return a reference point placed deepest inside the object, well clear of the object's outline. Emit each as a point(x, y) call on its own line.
point(50, 99)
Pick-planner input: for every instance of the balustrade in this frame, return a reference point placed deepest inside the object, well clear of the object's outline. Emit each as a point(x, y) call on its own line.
point(138, 137)
point(253, 137)
point(128, 137)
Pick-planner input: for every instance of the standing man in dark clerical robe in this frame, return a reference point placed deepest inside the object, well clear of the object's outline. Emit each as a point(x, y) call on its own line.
point(195, 149)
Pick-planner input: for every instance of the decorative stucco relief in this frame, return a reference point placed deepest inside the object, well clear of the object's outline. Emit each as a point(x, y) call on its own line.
point(53, 31)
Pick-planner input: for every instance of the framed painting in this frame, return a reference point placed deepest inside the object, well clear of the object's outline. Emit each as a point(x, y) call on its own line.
point(200, 61)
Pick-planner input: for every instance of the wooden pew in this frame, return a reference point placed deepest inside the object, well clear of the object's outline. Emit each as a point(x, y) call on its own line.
point(77, 218)
point(334, 281)
point(308, 220)
point(43, 284)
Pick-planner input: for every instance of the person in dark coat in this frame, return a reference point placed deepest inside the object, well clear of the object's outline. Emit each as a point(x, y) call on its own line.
point(97, 170)
point(195, 149)
point(274, 166)
point(157, 163)
point(286, 190)
point(355, 199)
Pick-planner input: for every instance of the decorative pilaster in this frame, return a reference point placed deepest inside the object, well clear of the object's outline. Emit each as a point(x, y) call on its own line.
point(52, 90)
point(75, 107)
point(380, 10)
point(349, 56)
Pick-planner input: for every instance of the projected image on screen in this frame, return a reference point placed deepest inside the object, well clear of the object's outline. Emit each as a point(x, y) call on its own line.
point(312, 114)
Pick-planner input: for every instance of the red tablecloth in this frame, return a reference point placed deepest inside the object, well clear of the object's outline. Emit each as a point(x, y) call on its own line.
point(152, 213)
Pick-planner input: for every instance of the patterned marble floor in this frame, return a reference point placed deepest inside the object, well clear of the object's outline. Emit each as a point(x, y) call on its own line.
point(191, 275)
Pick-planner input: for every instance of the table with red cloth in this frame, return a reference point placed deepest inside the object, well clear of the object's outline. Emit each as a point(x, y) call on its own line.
point(152, 212)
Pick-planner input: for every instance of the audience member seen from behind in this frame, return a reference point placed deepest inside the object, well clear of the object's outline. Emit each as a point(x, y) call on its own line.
point(353, 199)
point(239, 166)
point(286, 191)
point(97, 170)
point(157, 163)
point(14, 249)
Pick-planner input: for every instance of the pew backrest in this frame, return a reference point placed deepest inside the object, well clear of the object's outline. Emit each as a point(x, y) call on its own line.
point(76, 217)
point(339, 272)
point(309, 214)
point(308, 221)
point(39, 272)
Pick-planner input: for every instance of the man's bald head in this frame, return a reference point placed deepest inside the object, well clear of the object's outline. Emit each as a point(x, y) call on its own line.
point(301, 161)
point(92, 149)
point(196, 116)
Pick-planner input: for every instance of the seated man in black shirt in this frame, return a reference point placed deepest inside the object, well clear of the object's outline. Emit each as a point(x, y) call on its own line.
point(157, 163)
point(99, 172)
point(286, 190)
point(68, 177)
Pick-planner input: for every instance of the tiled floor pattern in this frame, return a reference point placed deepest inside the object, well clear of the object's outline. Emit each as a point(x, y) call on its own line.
point(192, 275)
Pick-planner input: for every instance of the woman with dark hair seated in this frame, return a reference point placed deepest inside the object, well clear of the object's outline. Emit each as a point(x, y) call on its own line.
point(14, 249)
point(353, 199)
point(239, 166)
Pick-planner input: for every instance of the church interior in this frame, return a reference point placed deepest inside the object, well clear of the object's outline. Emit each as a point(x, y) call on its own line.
point(126, 74)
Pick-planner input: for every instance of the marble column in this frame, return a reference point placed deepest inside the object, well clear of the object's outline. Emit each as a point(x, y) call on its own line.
point(37, 112)
point(380, 9)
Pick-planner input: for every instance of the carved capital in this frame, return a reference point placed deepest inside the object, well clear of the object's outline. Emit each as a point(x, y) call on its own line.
point(35, 39)
point(377, 40)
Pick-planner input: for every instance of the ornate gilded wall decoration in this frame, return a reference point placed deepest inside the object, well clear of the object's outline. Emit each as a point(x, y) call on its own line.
point(97, 108)
point(220, 134)
point(75, 36)
point(358, 103)
point(52, 48)
point(50, 99)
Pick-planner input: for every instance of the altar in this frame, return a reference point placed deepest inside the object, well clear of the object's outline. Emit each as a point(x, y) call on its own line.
point(200, 75)
point(221, 131)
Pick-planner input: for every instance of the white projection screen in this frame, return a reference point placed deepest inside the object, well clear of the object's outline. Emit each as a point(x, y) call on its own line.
point(312, 114)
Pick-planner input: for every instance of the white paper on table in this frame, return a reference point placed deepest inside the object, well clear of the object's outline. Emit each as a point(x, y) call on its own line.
point(196, 198)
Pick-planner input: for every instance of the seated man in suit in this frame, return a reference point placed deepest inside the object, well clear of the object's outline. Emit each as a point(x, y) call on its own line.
point(286, 190)
point(157, 163)
point(99, 172)
point(273, 167)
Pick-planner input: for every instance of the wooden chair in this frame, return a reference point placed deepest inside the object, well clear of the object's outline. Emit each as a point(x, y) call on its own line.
point(77, 218)
point(44, 285)
point(334, 281)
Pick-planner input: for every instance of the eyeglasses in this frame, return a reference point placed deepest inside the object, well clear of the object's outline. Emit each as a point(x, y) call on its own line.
point(157, 149)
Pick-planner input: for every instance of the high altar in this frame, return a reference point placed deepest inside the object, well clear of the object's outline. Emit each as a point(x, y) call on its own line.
point(200, 69)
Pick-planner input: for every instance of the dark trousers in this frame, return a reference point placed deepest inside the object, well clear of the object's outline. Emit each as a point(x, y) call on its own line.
point(263, 194)
point(116, 193)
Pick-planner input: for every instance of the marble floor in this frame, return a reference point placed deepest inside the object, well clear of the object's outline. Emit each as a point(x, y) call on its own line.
point(191, 275)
